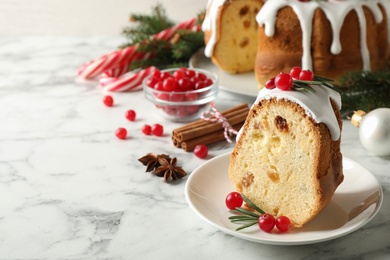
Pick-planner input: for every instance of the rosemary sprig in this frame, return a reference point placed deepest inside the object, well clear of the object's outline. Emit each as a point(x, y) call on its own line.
point(327, 83)
point(305, 85)
point(251, 204)
point(245, 217)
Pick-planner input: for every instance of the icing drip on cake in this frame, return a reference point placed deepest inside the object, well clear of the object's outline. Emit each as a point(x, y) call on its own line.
point(335, 11)
point(317, 105)
point(210, 24)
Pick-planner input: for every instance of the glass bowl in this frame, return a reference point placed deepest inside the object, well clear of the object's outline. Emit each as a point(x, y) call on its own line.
point(184, 100)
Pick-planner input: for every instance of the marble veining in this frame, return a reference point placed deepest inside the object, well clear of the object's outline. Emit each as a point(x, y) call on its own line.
point(70, 190)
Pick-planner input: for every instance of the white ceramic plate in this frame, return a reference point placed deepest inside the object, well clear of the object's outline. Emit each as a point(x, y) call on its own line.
point(355, 202)
point(243, 84)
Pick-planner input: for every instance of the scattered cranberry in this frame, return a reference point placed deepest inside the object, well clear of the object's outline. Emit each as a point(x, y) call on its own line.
point(146, 129)
point(266, 222)
point(177, 97)
point(192, 109)
point(295, 72)
point(185, 84)
point(201, 151)
point(152, 81)
point(130, 115)
point(233, 200)
point(190, 73)
point(200, 84)
point(181, 80)
point(156, 74)
point(208, 82)
point(201, 76)
point(164, 75)
point(170, 84)
point(306, 75)
point(179, 74)
point(159, 86)
point(121, 133)
point(108, 101)
point(283, 81)
point(191, 96)
point(283, 223)
point(270, 84)
point(157, 130)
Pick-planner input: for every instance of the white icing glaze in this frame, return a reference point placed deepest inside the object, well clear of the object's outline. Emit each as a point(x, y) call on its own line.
point(335, 11)
point(317, 105)
point(210, 24)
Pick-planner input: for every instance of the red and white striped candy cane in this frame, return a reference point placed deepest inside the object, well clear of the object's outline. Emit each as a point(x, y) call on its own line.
point(126, 82)
point(168, 33)
point(118, 71)
point(113, 73)
point(215, 116)
point(119, 59)
point(107, 62)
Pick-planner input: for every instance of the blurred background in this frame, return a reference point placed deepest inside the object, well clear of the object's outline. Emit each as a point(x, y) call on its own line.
point(83, 17)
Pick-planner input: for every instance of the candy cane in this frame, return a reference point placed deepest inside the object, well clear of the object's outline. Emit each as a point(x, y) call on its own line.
point(118, 71)
point(114, 73)
point(126, 82)
point(168, 33)
point(106, 62)
point(118, 59)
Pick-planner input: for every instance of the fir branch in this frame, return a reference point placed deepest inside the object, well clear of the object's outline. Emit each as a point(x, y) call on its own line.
point(187, 43)
point(365, 90)
point(146, 25)
point(163, 54)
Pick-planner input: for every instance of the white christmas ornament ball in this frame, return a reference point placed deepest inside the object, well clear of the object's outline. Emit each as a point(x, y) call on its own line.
point(374, 131)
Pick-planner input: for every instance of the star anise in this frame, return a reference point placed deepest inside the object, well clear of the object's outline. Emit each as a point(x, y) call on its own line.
point(169, 170)
point(151, 161)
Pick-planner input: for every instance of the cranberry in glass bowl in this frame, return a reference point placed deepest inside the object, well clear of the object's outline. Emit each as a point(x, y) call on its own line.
point(181, 94)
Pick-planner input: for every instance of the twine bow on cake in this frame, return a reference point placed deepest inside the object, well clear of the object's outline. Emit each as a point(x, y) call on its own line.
point(215, 116)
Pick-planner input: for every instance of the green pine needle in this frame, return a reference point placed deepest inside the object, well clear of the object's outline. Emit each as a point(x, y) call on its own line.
point(244, 216)
point(143, 26)
point(303, 87)
point(251, 204)
point(365, 91)
point(163, 54)
point(247, 225)
point(245, 212)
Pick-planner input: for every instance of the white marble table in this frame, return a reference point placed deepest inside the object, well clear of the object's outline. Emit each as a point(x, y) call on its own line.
point(70, 189)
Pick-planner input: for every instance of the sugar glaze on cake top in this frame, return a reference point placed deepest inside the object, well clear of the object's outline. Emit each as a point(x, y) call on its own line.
point(335, 11)
point(317, 104)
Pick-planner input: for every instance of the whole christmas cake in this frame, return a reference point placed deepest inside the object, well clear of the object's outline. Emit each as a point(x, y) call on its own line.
point(287, 159)
point(328, 37)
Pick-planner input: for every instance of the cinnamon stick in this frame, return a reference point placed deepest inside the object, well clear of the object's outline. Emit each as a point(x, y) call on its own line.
point(208, 128)
point(200, 122)
point(202, 131)
point(207, 139)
